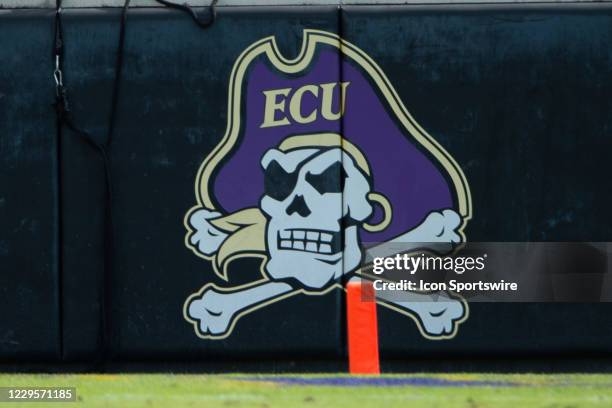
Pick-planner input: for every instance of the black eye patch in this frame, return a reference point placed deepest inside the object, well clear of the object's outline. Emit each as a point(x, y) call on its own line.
point(277, 182)
point(330, 181)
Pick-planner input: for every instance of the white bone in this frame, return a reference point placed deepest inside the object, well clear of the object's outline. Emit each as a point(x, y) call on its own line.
point(216, 311)
point(439, 227)
point(438, 315)
point(206, 237)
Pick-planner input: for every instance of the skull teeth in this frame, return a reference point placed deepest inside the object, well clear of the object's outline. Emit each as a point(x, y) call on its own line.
point(326, 237)
point(321, 242)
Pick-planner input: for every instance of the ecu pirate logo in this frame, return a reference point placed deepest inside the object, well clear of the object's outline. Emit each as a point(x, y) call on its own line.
point(319, 156)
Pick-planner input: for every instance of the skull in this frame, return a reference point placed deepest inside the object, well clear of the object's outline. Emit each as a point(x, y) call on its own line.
point(315, 200)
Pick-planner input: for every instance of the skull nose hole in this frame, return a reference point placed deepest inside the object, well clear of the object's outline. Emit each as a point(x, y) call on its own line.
point(298, 205)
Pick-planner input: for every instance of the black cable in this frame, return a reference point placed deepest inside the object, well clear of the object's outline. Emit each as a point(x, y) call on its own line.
point(56, 57)
point(65, 119)
point(118, 73)
point(189, 10)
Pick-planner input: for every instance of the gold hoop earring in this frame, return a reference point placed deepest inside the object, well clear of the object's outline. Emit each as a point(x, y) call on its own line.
point(386, 206)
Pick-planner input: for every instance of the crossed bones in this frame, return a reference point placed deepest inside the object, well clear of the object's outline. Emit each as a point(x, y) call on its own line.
point(215, 310)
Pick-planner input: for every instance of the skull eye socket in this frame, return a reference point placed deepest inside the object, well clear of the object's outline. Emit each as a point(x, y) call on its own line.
point(277, 182)
point(330, 181)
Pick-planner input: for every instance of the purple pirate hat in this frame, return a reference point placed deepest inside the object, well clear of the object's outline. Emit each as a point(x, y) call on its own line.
point(408, 167)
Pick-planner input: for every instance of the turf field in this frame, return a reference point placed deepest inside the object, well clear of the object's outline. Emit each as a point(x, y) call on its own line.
point(265, 391)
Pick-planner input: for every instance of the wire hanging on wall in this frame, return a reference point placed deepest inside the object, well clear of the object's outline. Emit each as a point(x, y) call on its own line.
point(65, 119)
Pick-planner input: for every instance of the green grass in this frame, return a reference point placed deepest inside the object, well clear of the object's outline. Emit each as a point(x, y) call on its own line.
point(178, 391)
